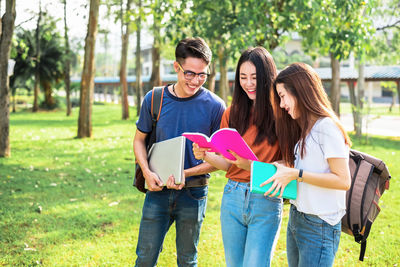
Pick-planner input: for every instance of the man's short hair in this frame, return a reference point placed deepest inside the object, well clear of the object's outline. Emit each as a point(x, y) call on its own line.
point(193, 47)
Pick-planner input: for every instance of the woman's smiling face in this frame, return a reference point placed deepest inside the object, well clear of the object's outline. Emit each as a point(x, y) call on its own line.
point(287, 100)
point(248, 79)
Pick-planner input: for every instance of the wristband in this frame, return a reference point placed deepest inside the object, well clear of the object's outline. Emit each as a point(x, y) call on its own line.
point(300, 179)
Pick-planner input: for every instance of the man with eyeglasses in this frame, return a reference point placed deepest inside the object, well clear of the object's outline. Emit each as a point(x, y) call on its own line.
point(187, 107)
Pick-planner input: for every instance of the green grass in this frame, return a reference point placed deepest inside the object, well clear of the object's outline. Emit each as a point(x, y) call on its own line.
point(70, 202)
point(376, 109)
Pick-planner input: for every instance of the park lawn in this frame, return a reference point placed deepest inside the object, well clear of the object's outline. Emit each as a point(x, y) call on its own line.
point(70, 202)
point(376, 110)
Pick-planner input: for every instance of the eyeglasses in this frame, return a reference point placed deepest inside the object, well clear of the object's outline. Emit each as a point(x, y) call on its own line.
point(189, 75)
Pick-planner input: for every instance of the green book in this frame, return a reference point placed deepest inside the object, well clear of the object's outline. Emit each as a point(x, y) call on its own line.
point(260, 172)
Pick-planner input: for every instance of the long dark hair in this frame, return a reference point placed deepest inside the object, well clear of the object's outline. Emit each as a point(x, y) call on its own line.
point(303, 83)
point(242, 107)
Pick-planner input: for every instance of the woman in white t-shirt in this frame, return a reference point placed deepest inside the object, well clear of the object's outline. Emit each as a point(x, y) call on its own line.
point(315, 150)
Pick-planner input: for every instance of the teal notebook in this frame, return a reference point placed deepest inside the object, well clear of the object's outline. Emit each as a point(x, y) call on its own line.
point(260, 172)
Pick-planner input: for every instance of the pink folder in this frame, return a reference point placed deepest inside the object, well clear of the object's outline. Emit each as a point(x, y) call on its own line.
point(221, 141)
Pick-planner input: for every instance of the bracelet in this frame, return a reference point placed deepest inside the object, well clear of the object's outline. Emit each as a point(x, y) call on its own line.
point(300, 179)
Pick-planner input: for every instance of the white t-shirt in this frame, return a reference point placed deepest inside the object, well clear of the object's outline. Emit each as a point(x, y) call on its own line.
point(324, 141)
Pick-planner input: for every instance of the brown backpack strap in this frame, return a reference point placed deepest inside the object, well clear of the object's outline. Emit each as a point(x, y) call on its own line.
point(156, 105)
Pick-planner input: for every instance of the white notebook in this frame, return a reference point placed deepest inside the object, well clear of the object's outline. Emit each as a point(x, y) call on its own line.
point(168, 157)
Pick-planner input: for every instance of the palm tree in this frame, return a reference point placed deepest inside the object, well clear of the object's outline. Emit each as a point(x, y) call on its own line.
point(52, 58)
point(51, 68)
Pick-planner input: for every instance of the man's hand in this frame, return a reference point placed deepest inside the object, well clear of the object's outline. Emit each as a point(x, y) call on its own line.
point(152, 181)
point(171, 182)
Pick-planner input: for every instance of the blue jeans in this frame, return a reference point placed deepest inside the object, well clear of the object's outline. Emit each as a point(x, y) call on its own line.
point(311, 241)
point(250, 225)
point(187, 208)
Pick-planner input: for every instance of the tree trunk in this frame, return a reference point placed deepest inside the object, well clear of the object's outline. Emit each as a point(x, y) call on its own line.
point(48, 95)
point(393, 103)
point(87, 80)
point(213, 74)
point(36, 89)
point(353, 101)
point(223, 69)
point(107, 71)
point(139, 88)
point(155, 79)
point(316, 63)
point(356, 110)
point(359, 99)
point(67, 64)
point(113, 94)
point(398, 92)
point(67, 81)
point(335, 86)
point(14, 109)
point(6, 33)
point(124, 56)
point(105, 91)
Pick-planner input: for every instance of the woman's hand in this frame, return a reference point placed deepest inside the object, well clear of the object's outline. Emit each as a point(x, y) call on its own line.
point(199, 153)
point(240, 162)
point(280, 179)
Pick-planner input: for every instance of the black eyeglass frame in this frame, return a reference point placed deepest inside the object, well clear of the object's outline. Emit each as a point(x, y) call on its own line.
point(188, 72)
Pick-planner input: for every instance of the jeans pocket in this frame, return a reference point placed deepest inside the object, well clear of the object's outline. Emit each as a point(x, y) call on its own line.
point(313, 219)
point(273, 199)
point(197, 193)
point(228, 188)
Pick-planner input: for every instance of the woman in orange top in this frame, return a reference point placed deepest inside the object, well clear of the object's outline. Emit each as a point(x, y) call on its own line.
point(250, 222)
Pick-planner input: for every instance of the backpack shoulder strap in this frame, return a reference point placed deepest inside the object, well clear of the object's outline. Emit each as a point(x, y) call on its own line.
point(156, 103)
